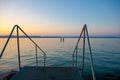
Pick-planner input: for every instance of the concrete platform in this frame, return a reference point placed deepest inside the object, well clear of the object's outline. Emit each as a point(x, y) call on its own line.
point(47, 73)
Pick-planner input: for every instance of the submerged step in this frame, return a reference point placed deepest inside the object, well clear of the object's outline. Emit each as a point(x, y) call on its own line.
point(47, 73)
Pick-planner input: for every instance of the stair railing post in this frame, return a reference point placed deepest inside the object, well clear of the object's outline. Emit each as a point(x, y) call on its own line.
point(83, 51)
point(18, 46)
point(91, 59)
point(36, 55)
point(76, 54)
point(73, 60)
point(44, 60)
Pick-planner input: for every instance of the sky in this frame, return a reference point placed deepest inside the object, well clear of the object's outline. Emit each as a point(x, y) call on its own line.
point(61, 17)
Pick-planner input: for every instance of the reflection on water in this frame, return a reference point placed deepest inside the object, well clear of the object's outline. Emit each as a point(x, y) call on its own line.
point(106, 54)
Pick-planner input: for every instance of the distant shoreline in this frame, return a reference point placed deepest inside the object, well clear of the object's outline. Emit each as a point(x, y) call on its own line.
point(60, 36)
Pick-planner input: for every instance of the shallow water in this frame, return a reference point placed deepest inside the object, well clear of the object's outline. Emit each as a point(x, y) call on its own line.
point(106, 55)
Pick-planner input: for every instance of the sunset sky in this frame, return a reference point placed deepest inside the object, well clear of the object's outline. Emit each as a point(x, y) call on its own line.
point(61, 17)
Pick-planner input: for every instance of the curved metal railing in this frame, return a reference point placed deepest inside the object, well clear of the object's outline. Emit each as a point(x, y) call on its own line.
point(18, 46)
point(75, 52)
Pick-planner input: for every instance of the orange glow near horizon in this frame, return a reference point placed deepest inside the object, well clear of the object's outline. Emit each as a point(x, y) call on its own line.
point(45, 30)
point(34, 30)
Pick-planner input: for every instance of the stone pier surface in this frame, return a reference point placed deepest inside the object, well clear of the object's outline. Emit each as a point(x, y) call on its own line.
point(47, 73)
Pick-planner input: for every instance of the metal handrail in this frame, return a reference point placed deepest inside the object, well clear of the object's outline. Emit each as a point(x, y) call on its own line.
point(7, 42)
point(36, 46)
point(91, 59)
point(76, 47)
point(75, 52)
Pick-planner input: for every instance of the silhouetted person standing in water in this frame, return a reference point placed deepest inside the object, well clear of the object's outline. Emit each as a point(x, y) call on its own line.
point(60, 39)
point(63, 39)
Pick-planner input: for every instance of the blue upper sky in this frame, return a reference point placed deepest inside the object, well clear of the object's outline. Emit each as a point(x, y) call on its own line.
point(61, 17)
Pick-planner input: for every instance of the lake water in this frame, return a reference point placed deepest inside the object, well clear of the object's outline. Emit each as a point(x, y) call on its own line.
point(106, 55)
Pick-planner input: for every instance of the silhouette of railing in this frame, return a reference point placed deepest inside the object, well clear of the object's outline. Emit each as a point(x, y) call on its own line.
point(75, 52)
point(18, 46)
point(85, 36)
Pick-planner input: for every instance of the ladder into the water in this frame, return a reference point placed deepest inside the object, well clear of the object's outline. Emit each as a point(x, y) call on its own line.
point(45, 72)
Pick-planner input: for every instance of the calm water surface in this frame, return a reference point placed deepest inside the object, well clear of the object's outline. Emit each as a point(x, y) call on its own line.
point(106, 55)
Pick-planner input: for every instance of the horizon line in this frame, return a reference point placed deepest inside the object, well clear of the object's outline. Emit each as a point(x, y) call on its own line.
point(13, 36)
